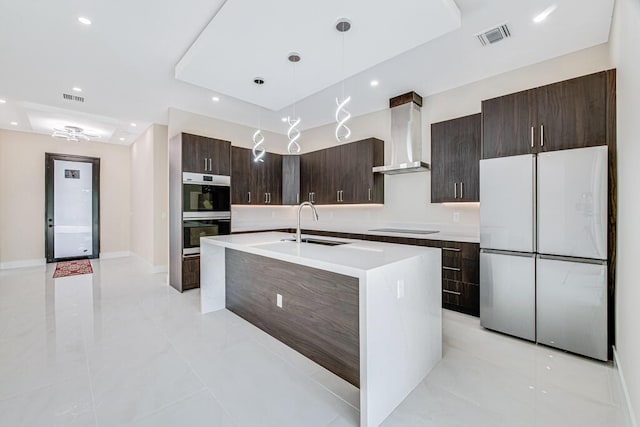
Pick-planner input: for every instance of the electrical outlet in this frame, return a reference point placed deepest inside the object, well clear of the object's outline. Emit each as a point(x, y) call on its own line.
point(456, 217)
point(279, 300)
point(400, 289)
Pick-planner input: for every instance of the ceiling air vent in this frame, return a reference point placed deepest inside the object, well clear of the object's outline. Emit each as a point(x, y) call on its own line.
point(69, 97)
point(494, 35)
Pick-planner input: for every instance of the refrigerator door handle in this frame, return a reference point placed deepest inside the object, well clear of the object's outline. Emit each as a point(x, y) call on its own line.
point(573, 259)
point(535, 203)
point(501, 252)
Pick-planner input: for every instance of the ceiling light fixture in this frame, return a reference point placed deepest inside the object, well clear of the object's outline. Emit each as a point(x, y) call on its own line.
point(258, 138)
point(3, 101)
point(342, 114)
point(121, 139)
point(77, 89)
point(544, 14)
point(83, 20)
point(293, 133)
point(215, 99)
point(133, 124)
point(284, 119)
point(72, 133)
point(14, 123)
point(374, 83)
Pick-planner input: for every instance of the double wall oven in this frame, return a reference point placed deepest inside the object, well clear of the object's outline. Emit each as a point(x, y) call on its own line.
point(206, 209)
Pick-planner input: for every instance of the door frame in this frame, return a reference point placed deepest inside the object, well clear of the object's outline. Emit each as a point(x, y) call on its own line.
point(49, 204)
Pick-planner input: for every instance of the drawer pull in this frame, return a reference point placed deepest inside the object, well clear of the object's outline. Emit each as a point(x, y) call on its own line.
point(451, 249)
point(447, 291)
point(450, 268)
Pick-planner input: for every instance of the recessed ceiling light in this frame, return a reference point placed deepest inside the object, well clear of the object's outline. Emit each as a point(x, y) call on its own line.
point(3, 101)
point(215, 99)
point(284, 119)
point(77, 89)
point(83, 20)
point(374, 83)
point(121, 139)
point(133, 125)
point(14, 123)
point(544, 14)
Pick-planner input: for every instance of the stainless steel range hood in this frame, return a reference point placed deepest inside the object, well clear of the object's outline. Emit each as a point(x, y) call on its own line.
point(406, 136)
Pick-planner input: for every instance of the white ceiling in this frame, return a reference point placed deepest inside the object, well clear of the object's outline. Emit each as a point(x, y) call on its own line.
point(248, 39)
point(125, 61)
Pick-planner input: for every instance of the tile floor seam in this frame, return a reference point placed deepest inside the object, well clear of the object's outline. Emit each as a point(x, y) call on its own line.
point(198, 377)
point(93, 399)
point(163, 407)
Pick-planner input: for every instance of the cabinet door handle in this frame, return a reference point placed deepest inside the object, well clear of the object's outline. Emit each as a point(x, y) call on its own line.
point(342, 195)
point(541, 135)
point(451, 249)
point(269, 198)
point(461, 190)
point(210, 167)
point(455, 190)
point(447, 291)
point(265, 198)
point(338, 195)
point(369, 194)
point(298, 198)
point(310, 199)
point(531, 136)
point(249, 197)
point(450, 268)
point(205, 164)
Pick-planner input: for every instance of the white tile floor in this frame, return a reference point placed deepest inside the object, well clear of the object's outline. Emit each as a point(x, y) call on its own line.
point(120, 347)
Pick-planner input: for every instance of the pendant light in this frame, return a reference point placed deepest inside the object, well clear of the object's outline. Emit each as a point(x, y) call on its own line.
point(258, 138)
point(293, 133)
point(343, 132)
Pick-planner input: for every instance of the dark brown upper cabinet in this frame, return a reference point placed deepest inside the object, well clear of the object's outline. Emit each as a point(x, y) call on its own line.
point(201, 154)
point(291, 179)
point(568, 114)
point(455, 157)
point(255, 183)
point(343, 174)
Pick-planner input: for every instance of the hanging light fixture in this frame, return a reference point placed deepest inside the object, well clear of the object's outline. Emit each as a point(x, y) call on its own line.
point(343, 132)
point(293, 133)
point(258, 138)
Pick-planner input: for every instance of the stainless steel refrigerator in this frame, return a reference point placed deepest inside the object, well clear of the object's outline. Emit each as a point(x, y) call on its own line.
point(543, 240)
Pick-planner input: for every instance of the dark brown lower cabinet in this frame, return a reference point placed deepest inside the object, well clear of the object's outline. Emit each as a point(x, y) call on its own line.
point(319, 316)
point(190, 273)
point(460, 267)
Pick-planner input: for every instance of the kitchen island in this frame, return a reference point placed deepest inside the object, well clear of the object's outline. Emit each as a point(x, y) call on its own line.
point(368, 311)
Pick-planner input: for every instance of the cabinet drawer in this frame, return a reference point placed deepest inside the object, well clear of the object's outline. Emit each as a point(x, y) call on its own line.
point(460, 296)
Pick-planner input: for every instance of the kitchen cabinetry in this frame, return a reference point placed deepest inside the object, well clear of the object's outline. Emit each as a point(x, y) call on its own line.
point(201, 154)
point(291, 179)
point(343, 174)
point(455, 156)
point(255, 183)
point(190, 273)
point(563, 115)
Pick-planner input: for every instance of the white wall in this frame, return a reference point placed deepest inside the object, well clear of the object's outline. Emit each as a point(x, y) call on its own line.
point(625, 42)
point(22, 193)
point(149, 196)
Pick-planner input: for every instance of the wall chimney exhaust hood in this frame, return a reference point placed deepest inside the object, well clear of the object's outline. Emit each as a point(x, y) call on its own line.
point(406, 136)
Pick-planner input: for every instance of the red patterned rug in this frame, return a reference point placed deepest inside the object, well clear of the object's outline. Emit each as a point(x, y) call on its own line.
point(73, 268)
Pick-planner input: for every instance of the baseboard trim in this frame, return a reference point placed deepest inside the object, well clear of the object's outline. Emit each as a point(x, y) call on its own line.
point(625, 392)
point(110, 255)
point(160, 269)
point(38, 262)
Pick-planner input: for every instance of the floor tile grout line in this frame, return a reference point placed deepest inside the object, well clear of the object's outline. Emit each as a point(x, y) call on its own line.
point(93, 399)
point(198, 377)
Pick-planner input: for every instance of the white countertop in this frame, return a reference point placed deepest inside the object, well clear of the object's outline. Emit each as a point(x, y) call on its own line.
point(352, 259)
point(444, 233)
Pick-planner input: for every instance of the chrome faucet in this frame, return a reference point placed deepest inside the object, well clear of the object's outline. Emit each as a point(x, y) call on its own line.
point(315, 217)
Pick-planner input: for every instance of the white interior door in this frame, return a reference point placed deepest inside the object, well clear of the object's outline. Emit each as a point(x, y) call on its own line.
point(73, 209)
point(572, 203)
point(507, 203)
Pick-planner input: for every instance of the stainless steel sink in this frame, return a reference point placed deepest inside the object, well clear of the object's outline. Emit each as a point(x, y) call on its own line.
point(317, 241)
